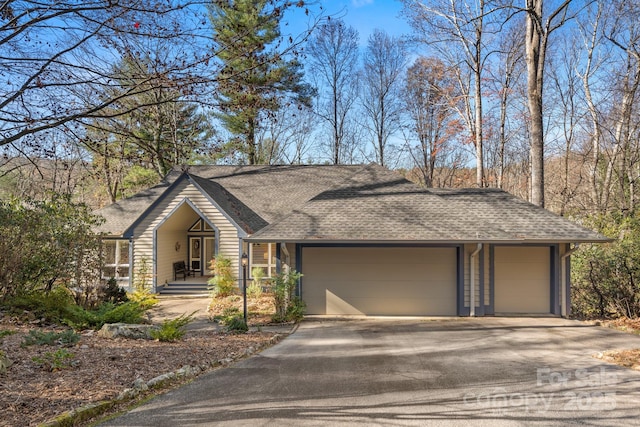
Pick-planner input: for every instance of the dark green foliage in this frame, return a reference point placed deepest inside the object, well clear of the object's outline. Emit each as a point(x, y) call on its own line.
point(66, 339)
point(112, 292)
point(237, 325)
point(172, 329)
point(288, 306)
point(233, 320)
point(128, 312)
point(46, 243)
point(50, 307)
point(606, 277)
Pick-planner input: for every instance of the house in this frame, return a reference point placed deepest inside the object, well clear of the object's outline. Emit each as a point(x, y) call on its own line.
point(366, 240)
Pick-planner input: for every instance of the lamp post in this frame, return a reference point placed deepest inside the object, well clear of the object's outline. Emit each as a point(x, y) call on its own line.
point(245, 263)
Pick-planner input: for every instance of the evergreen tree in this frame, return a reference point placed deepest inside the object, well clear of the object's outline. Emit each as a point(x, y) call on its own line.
point(255, 80)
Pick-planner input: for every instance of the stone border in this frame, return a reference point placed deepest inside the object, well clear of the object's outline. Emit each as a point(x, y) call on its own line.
point(140, 386)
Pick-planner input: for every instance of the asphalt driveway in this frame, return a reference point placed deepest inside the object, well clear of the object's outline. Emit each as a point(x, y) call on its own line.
point(459, 371)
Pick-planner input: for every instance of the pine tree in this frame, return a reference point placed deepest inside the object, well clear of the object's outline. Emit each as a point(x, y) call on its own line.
point(255, 79)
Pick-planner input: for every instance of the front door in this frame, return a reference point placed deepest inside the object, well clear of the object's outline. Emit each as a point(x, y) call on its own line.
point(195, 255)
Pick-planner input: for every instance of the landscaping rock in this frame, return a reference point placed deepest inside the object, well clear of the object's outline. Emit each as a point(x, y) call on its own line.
point(115, 330)
point(5, 362)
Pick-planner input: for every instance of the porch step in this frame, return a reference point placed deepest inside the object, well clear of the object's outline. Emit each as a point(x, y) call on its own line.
point(184, 289)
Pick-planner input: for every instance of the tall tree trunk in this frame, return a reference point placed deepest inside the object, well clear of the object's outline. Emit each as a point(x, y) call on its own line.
point(478, 101)
point(537, 36)
point(535, 67)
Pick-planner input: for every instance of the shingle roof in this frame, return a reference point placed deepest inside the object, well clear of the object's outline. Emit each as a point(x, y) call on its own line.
point(355, 204)
point(121, 215)
point(379, 205)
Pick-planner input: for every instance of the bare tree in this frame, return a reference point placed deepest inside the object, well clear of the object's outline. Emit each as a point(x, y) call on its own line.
point(591, 35)
point(383, 64)
point(458, 29)
point(503, 81)
point(333, 54)
point(623, 33)
point(55, 63)
point(539, 27)
point(428, 103)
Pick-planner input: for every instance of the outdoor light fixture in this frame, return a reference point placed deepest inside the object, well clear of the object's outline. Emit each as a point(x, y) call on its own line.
point(245, 263)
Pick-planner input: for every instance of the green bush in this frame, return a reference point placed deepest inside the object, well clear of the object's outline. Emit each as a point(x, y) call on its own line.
point(288, 306)
point(67, 338)
point(128, 312)
point(223, 283)
point(44, 243)
point(173, 329)
point(55, 360)
point(254, 290)
point(237, 325)
point(605, 277)
point(52, 307)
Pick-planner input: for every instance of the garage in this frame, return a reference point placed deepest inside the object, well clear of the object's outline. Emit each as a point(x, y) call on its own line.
point(522, 281)
point(405, 281)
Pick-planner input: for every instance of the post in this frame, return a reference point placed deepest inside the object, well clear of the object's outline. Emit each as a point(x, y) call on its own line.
point(245, 263)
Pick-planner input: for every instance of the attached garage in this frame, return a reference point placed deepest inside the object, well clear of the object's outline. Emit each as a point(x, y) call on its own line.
point(409, 281)
point(522, 281)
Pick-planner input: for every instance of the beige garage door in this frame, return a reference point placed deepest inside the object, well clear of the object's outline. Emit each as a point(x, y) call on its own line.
point(522, 280)
point(379, 281)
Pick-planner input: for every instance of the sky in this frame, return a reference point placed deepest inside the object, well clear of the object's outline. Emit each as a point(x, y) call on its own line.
point(363, 15)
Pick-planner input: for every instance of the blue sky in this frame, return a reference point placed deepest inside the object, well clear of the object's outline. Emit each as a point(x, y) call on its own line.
point(364, 16)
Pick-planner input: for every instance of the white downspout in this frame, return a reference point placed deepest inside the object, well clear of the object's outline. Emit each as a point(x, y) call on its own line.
point(472, 281)
point(563, 279)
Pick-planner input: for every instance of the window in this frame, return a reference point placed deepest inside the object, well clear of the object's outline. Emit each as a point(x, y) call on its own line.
point(115, 256)
point(263, 255)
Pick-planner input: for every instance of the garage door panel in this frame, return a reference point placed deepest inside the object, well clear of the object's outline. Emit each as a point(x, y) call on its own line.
point(380, 281)
point(522, 280)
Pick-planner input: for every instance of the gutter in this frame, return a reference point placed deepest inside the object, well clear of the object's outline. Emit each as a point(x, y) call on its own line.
point(563, 289)
point(472, 281)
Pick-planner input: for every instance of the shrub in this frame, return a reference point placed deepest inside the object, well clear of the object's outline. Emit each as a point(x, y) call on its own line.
point(233, 320)
point(55, 361)
point(254, 290)
point(223, 283)
point(143, 297)
point(237, 325)
point(128, 312)
point(173, 329)
point(605, 277)
point(67, 338)
point(60, 246)
point(288, 306)
point(52, 307)
point(112, 292)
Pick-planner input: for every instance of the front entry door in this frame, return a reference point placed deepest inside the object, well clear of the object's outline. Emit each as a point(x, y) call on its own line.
point(195, 254)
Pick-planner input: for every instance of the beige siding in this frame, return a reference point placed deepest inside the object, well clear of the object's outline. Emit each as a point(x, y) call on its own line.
point(379, 281)
point(522, 279)
point(169, 233)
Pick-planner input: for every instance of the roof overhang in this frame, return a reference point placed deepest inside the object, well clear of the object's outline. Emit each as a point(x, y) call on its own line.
point(522, 241)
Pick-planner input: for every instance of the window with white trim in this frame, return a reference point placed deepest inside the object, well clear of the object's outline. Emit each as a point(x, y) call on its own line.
point(263, 255)
point(115, 256)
